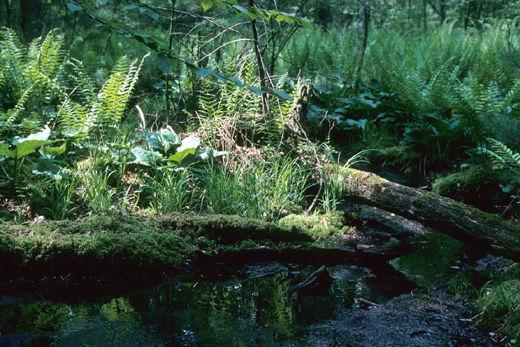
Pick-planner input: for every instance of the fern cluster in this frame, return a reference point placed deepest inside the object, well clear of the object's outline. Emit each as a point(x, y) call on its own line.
point(507, 163)
point(226, 105)
point(31, 81)
point(97, 113)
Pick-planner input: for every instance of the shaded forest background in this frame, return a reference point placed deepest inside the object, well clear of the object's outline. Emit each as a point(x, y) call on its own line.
point(188, 105)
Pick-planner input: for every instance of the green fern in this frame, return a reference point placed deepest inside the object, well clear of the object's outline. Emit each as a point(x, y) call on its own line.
point(30, 80)
point(503, 157)
point(507, 164)
point(104, 111)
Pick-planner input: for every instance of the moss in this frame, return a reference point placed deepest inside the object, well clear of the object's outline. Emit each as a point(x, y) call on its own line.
point(114, 242)
point(459, 181)
point(318, 226)
point(44, 250)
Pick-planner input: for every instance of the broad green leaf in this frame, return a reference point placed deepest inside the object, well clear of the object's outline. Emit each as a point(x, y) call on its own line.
point(29, 147)
point(41, 136)
point(203, 72)
point(5, 151)
point(164, 64)
point(152, 14)
point(130, 7)
point(189, 146)
point(145, 157)
point(48, 167)
point(163, 140)
point(206, 4)
point(245, 11)
point(29, 144)
point(220, 4)
point(56, 150)
point(73, 7)
point(208, 153)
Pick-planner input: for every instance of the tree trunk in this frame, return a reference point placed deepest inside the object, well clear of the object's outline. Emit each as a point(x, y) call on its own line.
point(32, 18)
point(468, 14)
point(442, 11)
point(259, 61)
point(167, 75)
point(4, 13)
point(15, 16)
point(365, 18)
point(446, 215)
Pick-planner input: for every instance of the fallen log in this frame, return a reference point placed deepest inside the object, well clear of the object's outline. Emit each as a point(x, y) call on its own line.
point(461, 221)
point(381, 232)
point(116, 245)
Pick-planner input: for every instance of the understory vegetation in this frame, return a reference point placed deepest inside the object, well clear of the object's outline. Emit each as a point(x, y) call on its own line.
point(223, 107)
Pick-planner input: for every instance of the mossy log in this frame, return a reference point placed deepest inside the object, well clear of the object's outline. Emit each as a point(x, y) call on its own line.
point(123, 245)
point(381, 232)
point(461, 221)
point(118, 244)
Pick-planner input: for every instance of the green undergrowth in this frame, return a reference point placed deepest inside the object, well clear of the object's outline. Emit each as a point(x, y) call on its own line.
point(113, 242)
point(499, 304)
point(496, 296)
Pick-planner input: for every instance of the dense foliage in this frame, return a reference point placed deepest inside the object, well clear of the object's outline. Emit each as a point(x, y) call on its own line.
point(233, 107)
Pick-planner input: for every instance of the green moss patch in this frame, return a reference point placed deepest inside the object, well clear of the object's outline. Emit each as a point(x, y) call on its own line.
point(115, 242)
point(318, 226)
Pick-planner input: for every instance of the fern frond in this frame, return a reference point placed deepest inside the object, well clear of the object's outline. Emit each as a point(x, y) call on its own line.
point(112, 100)
point(20, 106)
point(50, 55)
point(83, 84)
point(73, 119)
point(502, 156)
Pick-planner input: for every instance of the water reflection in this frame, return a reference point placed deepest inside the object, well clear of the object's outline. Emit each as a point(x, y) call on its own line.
point(235, 312)
point(434, 260)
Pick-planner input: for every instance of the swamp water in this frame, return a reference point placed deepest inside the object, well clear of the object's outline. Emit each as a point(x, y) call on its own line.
point(244, 309)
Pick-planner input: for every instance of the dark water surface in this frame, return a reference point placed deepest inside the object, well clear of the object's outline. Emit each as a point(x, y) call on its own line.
point(242, 310)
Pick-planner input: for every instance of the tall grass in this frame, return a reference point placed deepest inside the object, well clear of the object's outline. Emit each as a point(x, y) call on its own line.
point(268, 189)
point(171, 191)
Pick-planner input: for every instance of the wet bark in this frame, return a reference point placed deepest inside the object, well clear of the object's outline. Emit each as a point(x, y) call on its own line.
point(446, 215)
point(317, 283)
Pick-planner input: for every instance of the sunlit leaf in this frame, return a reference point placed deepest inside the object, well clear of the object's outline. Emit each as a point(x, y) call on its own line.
point(189, 146)
point(56, 150)
point(145, 157)
point(206, 4)
point(5, 151)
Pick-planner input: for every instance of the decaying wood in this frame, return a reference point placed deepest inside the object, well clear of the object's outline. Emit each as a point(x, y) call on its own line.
point(318, 282)
point(381, 232)
point(366, 303)
point(446, 215)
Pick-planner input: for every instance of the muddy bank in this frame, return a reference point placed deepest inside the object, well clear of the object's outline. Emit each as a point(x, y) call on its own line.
point(408, 320)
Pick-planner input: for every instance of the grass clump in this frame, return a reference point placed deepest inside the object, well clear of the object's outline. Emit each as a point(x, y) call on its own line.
point(265, 189)
point(499, 304)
